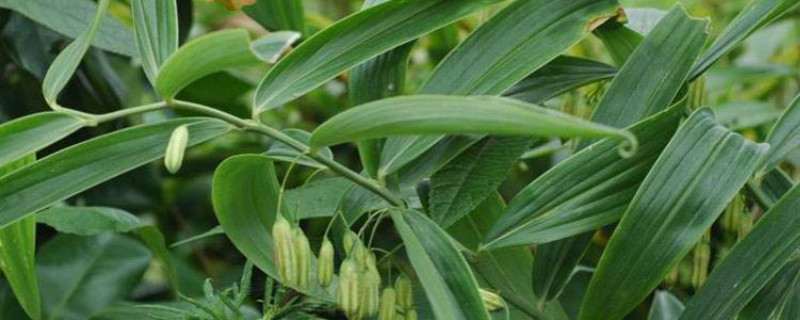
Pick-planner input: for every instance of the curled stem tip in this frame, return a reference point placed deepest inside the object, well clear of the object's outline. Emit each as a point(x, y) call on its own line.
point(629, 145)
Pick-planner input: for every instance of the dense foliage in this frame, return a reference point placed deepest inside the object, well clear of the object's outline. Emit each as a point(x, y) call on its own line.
point(399, 159)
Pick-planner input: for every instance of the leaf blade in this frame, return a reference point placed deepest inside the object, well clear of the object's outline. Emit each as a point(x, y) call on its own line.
point(156, 31)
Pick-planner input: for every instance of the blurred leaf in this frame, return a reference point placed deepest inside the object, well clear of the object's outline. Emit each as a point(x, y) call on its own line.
point(32, 133)
point(82, 275)
point(17, 250)
point(203, 56)
point(738, 115)
point(154, 240)
point(697, 174)
point(281, 152)
point(563, 74)
point(88, 221)
point(156, 30)
point(72, 18)
point(90, 163)
point(65, 64)
point(434, 114)
point(449, 284)
point(277, 15)
point(784, 136)
point(665, 307)
point(756, 15)
point(354, 40)
point(272, 46)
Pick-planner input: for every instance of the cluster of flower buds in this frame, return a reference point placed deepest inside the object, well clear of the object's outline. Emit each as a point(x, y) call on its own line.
point(292, 254)
point(359, 280)
point(404, 299)
point(491, 300)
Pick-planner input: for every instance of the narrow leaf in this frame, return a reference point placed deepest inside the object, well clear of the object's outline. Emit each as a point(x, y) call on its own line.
point(770, 301)
point(90, 163)
point(32, 133)
point(619, 40)
point(784, 136)
point(555, 262)
point(563, 74)
point(272, 46)
point(277, 15)
point(697, 174)
point(88, 221)
point(156, 30)
point(446, 278)
point(665, 307)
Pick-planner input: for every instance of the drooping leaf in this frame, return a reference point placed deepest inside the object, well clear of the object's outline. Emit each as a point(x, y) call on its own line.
point(282, 152)
point(752, 262)
point(156, 31)
point(277, 15)
point(70, 58)
point(665, 307)
point(17, 250)
point(82, 275)
point(563, 74)
point(445, 275)
point(784, 136)
point(203, 56)
point(466, 181)
point(72, 18)
point(30, 134)
point(88, 221)
point(90, 163)
point(434, 114)
point(770, 301)
point(586, 191)
point(691, 182)
point(354, 40)
point(756, 15)
point(739, 115)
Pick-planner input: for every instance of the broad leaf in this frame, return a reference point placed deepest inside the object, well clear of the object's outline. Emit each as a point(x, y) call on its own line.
point(434, 114)
point(17, 250)
point(354, 40)
point(691, 182)
point(80, 276)
point(665, 307)
point(88, 221)
point(277, 15)
point(317, 199)
point(563, 74)
point(72, 18)
point(445, 276)
point(756, 15)
point(203, 56)
point(70, 58)
point(156, 30)
point(753, 262)
point(784, 136)
point(30, 134)
point(90, 163)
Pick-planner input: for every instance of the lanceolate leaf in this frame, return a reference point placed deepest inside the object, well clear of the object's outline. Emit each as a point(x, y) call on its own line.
point(697, 174)
point(563, 74)
point(751, 264)
point(156, 30)
point(277, 15)
point(520, 39)
point(88, 221)
point(586, 191)
point(665, 307)
point(17, 250)
point(203, 56)
point(434, 114)
point(68, 60)
point(85, 165)
point(620, 41)
point(449, 284)
point(72, 18)
point(271, 47)
point(555, 262)
point(770, 301)
point(785, 135)
point(756, 15)
point(30, 134)
point(353, 40)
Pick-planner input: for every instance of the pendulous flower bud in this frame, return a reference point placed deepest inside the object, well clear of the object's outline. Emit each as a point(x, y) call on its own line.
point(301, 254)
point(411, 314)
point(348, 240)
point(491, 300)
point(176, 147)
point(405, 297)
point(387, 305)
point(282, 251)
point(347, 294)
point(325, 265)
point(370, 288)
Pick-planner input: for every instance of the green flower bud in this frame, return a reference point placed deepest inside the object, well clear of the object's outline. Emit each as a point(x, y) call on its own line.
point(387, 306)
point(491, 301)
point(282, 251)
point(369, 293)
point(405, 297)
point(325, 265)
point(348, 241)
point(301, 254)
point(411, 314)
point(176, 147)
point(347, 294)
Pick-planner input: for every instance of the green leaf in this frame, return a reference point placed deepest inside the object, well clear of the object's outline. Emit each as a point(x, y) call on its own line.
point(620, 41)
point(752, 262)
point(154, 240)
point(412, 171)
point(563, 74)
point(276, 15)
point(555, 262)
point(32, 133)
point(17, 250)
point(203, 56)
point(70, 58)
point(434, 114)
point(272, 46)
point(88, 221)
point(465, 182)
point(354, 40)
point(665, 307)
point(82, 275)
point(575, 197)
point(770, 301)
point(739, 115)
point(281, 152)
point(215, 231)
point(318, 199)
point(156, 30)
point(90, 163)
point(771, 187)
point(72, 18)
point(518, 40)
point(756, 15)
point(784, 136)
point(446, 278)
point(691, 182)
